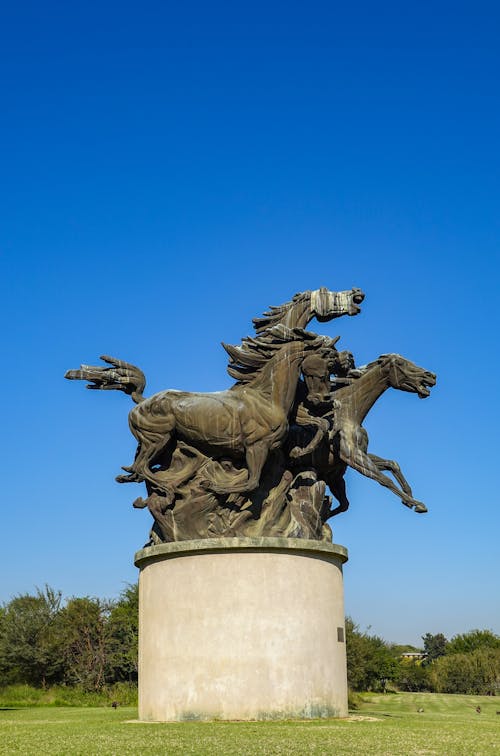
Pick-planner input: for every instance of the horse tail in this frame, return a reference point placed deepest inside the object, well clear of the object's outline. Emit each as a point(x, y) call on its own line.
point(121, 376)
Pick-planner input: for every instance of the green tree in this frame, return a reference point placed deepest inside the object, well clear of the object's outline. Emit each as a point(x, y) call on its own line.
point(434, 646)
point(369, 660)
point(413, 676)
point(477, 672)
point(30, 644)
point(86, 649)
point(123, 635)
point(473, 641)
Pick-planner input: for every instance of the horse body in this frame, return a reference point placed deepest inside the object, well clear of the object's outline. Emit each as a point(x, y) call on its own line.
point(223, 420)
point(250, 419)
point(348, 440)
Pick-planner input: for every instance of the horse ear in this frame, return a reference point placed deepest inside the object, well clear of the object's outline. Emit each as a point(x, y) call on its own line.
point(231, 350)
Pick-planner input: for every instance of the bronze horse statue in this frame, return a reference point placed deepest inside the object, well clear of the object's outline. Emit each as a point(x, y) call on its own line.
point(157, 419)
point(255, 459)
point(249, 419)
point(347, 442)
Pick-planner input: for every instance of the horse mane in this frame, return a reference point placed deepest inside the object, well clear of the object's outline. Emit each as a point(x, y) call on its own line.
point(379, 361)
point(275, 315)
point(248, 360)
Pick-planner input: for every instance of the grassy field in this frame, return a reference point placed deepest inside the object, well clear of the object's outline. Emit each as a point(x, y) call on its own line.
point(385, 724)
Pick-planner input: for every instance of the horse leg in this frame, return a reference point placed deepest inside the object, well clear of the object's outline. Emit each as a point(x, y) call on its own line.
point(151, 441)
point(146, 452)
point(391, 466)
point(256, 456)
point(337, 487)
point(360, 461)
point(323, 427)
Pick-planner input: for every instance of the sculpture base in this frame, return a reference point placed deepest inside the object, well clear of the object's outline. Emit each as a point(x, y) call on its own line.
point(241, 628)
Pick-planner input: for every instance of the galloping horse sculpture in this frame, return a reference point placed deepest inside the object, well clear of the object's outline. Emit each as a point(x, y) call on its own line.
point(251, 418)
point(347, 441)
point(256, 458)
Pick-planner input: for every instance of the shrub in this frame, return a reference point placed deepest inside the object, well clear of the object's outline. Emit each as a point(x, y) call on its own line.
point(475, 673)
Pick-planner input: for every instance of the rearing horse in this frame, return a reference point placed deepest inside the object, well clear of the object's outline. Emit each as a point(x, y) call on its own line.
point(348, 440)
point(250, 419)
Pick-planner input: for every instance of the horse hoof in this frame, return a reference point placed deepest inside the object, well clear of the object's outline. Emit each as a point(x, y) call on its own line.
point(139, 503)
point(132, 478)
point(420, 508)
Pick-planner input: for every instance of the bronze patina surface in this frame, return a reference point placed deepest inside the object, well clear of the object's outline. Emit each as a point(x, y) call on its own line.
point(256, 459)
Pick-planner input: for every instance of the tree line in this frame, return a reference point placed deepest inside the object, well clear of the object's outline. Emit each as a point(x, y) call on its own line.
point(468, 663)
point(86, 642)
point(92, 644)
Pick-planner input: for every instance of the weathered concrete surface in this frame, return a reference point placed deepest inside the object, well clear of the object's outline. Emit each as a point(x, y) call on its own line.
point(240, 628)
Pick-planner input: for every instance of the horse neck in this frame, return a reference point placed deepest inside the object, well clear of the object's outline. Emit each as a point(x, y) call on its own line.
point(278, 379)
point(299, 313)
point(359, 397)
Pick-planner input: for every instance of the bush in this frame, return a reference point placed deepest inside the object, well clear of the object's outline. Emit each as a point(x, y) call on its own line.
point(413, 676)
point(30, 643)
point(370, 663)
point(476, 673)
point(88, 642)
point(18, 696)
point(354, 700)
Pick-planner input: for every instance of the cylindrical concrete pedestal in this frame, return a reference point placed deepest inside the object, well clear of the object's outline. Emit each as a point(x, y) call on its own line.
point(241, 628)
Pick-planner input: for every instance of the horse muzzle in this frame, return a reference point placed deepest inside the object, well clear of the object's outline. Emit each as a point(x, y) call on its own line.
point(356, 297)
point(428, 381)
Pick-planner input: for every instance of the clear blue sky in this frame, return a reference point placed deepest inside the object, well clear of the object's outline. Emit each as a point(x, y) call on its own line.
point(168, 171)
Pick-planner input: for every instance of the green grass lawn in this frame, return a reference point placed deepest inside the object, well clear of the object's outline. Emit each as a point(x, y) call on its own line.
point(384, 724)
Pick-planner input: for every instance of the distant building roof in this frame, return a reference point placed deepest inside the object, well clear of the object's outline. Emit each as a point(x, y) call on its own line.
point(413, 655)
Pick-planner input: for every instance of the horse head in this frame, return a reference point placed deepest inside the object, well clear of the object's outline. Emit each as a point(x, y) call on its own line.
point(406, 376)
point(305, 305)
point(326, 304)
